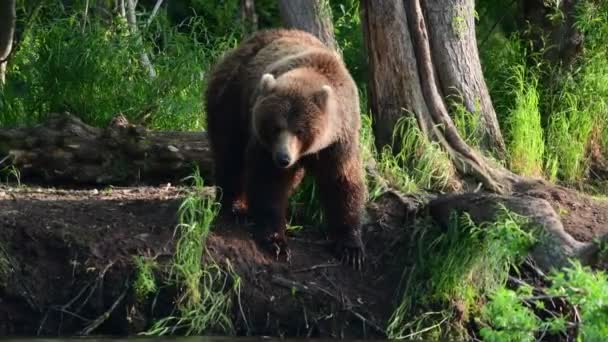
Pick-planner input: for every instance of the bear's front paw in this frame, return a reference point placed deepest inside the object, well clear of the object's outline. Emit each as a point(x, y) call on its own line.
point(349, 248)
point(276, 244)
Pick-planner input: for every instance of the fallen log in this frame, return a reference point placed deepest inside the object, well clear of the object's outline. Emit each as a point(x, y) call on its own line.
point(65, 150)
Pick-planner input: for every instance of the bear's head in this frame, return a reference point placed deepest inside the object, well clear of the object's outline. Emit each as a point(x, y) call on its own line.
point(294, 115)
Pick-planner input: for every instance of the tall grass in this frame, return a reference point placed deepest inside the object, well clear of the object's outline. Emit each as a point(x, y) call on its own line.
point(526, 141)
point(94, 71)
point(206, 289)
point(571, 102)
point(568, 135)
point(420, 163)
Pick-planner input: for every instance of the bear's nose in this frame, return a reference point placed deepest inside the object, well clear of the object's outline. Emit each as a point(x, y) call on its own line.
point(282, 159)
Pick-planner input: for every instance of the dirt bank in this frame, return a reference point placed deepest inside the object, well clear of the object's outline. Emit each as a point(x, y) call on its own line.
point(67, 261)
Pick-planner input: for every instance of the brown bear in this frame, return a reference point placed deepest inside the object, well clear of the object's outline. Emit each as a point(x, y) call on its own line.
point(279, 105)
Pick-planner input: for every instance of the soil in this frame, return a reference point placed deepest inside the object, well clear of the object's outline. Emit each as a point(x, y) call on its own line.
point(69, 258)
point(66, 264)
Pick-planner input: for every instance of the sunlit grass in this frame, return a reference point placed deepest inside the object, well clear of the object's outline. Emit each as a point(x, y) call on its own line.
point(206, 288)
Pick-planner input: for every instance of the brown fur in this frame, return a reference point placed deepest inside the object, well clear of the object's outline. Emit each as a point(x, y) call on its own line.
point(313, 102)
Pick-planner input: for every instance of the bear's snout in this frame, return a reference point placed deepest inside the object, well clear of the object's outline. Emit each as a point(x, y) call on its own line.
point(285, 151)
point(282, 159)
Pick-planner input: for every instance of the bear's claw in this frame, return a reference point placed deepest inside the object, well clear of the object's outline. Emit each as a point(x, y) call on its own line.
point(276, 245)
point(351, 251)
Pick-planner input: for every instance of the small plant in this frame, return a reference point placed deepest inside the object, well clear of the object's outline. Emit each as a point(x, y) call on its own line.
point(588, 291)
point(11, 174)
point(459, 22)
point(145, 282)
point(508, 318)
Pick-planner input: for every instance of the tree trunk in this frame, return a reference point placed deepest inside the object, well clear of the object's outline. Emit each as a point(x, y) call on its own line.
point(313, 16)
point(65, 150)
point(248, 16)
point(456, 59)
point(559, 36)
point(403, 80)
point(394, 84)
point(7, 31)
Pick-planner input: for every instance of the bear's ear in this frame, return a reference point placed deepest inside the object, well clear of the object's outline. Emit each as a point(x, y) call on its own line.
point(267, 82)
point(322, 96)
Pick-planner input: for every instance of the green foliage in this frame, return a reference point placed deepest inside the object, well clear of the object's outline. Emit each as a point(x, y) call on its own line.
point(506, 318)
point(458, 266)
point(206, 288)
point(94, 71)
point(349, 37)
point(510, 320)
point(589, 292)
point(145, 282)
point(571, 102)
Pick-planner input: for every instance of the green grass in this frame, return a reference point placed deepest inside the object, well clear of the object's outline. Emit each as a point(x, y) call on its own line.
point(457, 267)
point(420, 164)
point(145, 282)
point(568, 135)
point(469, 124)
point(526, 137)
point(95, 72)
point(570, 102)
point(206, 288)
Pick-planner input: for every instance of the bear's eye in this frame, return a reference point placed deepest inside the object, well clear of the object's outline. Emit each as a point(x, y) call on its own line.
point(299, 131)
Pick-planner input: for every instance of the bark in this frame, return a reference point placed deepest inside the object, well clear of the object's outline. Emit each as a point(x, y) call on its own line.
point(456, 59)
point(65, 150)
point(7, 32)
point(402, 67)
point(132, 20)
point(391, 53)
point(561, 40)
point(248, 16)
point(313, 16)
